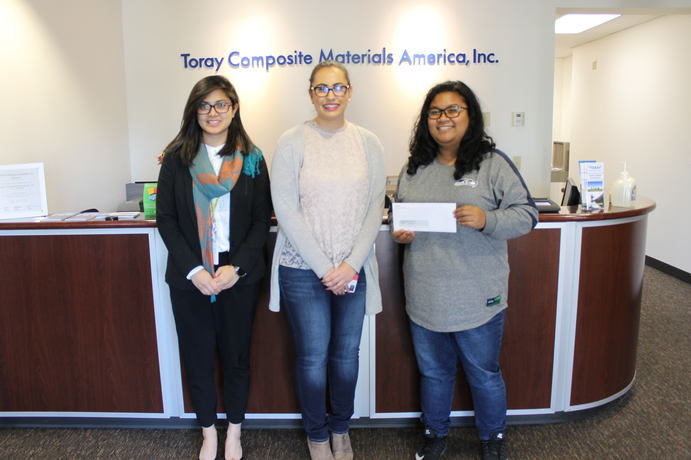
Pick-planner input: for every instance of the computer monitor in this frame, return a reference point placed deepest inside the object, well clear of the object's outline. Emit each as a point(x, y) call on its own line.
point(571, 197)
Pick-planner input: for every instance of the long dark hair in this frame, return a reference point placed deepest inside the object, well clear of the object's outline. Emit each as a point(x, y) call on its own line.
point(474, 145)
point(186, 143)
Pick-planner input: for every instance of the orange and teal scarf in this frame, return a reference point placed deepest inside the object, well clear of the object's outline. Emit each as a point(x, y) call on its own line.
point(206, 186)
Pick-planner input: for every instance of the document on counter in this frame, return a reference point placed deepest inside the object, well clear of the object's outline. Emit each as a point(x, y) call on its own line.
point(59, 216)
point(118, 215)
point(22, 191)
point(424, 217)
point(88, 216)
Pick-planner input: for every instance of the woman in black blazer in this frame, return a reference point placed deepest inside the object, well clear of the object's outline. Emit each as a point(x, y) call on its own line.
point(213, 211)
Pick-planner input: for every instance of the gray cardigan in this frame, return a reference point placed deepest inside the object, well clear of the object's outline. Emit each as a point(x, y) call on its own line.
point(285, 176)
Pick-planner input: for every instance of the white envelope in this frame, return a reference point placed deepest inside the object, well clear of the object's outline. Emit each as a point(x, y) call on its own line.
point(424, 217)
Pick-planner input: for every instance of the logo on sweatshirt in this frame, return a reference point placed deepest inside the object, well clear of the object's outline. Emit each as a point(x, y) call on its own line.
point(467, 182)
point(494, 301)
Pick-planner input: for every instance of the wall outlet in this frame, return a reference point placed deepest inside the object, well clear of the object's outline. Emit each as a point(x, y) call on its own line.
point(517, 160)
point(486, 118)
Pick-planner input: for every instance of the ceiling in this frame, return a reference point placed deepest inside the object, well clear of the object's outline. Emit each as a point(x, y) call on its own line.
point(630, 17)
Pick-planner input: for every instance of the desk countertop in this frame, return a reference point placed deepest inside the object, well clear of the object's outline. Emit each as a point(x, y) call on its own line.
point(566, 214)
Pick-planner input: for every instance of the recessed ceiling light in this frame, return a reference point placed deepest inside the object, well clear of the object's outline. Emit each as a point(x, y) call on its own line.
point(577, 23)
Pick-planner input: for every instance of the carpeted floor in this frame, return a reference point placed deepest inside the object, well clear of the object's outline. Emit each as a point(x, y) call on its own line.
point(652, 422)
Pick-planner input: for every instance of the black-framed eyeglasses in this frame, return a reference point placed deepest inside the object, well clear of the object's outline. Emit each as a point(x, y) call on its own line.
point(452, 111)
point(323, 90)
point(220, 107)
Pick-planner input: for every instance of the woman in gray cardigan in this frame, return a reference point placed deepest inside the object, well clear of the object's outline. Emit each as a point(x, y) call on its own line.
point(328, 190)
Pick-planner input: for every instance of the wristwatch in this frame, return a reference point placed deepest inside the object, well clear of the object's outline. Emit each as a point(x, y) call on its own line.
point(241, 273)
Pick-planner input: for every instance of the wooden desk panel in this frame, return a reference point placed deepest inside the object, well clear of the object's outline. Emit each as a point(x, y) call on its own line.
point(528, 346)
point(272, 359)
point(397, 378)
point(609, 303)
point(79, 333)
point(529, 334)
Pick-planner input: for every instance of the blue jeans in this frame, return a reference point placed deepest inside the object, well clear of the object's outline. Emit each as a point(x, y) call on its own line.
point(477, 349)
point(326, 331)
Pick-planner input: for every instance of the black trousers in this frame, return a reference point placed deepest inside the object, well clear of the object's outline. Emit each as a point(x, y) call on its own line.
point(203, 327)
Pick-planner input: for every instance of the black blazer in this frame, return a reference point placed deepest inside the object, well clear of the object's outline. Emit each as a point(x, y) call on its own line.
point(177, 222)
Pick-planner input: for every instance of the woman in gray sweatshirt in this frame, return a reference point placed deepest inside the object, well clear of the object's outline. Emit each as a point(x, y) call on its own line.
point(456, 283)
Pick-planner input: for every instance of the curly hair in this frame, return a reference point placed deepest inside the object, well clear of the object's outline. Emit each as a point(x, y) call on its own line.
point(186, 142)
point(474, 145)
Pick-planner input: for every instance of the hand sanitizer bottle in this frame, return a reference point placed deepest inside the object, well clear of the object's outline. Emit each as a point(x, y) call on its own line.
point(624, 190)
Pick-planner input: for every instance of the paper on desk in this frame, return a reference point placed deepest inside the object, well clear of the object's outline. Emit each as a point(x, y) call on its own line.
point(424, 217)
point(22, 191)
point(117, 215)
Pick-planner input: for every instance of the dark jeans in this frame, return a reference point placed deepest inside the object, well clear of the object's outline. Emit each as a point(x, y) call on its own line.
point(326, 331)
point(202, 326)
point(477, 349)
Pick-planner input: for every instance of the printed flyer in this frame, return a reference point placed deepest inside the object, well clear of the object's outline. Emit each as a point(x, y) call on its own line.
point(592, 185)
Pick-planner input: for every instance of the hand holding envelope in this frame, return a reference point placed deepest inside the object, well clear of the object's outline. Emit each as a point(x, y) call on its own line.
point(470, 216)
point(403, 236)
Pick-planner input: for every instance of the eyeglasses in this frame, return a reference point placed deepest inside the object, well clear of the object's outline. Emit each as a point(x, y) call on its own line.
point(220, 106)
point(451, 111)
point(323, 90)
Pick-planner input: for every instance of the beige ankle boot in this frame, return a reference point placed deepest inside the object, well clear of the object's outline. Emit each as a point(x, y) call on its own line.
point(320, 450)
point(340, 445)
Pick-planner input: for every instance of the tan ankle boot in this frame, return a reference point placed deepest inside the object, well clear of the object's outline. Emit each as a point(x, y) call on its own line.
point(340, 445)
point(320, 450)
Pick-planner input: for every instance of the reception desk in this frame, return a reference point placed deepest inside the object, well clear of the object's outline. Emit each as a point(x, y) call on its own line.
point(87, 333)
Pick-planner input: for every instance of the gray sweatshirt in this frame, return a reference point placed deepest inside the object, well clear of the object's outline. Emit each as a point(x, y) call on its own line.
point(459, 281)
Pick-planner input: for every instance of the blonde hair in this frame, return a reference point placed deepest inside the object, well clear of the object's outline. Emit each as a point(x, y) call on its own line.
point(329, 63)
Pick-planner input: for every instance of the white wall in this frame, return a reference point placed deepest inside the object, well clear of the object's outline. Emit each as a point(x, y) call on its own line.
point(107, 114)
point(561, 117)
point(636, 107)
point(386, 98)
point(63, 98)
